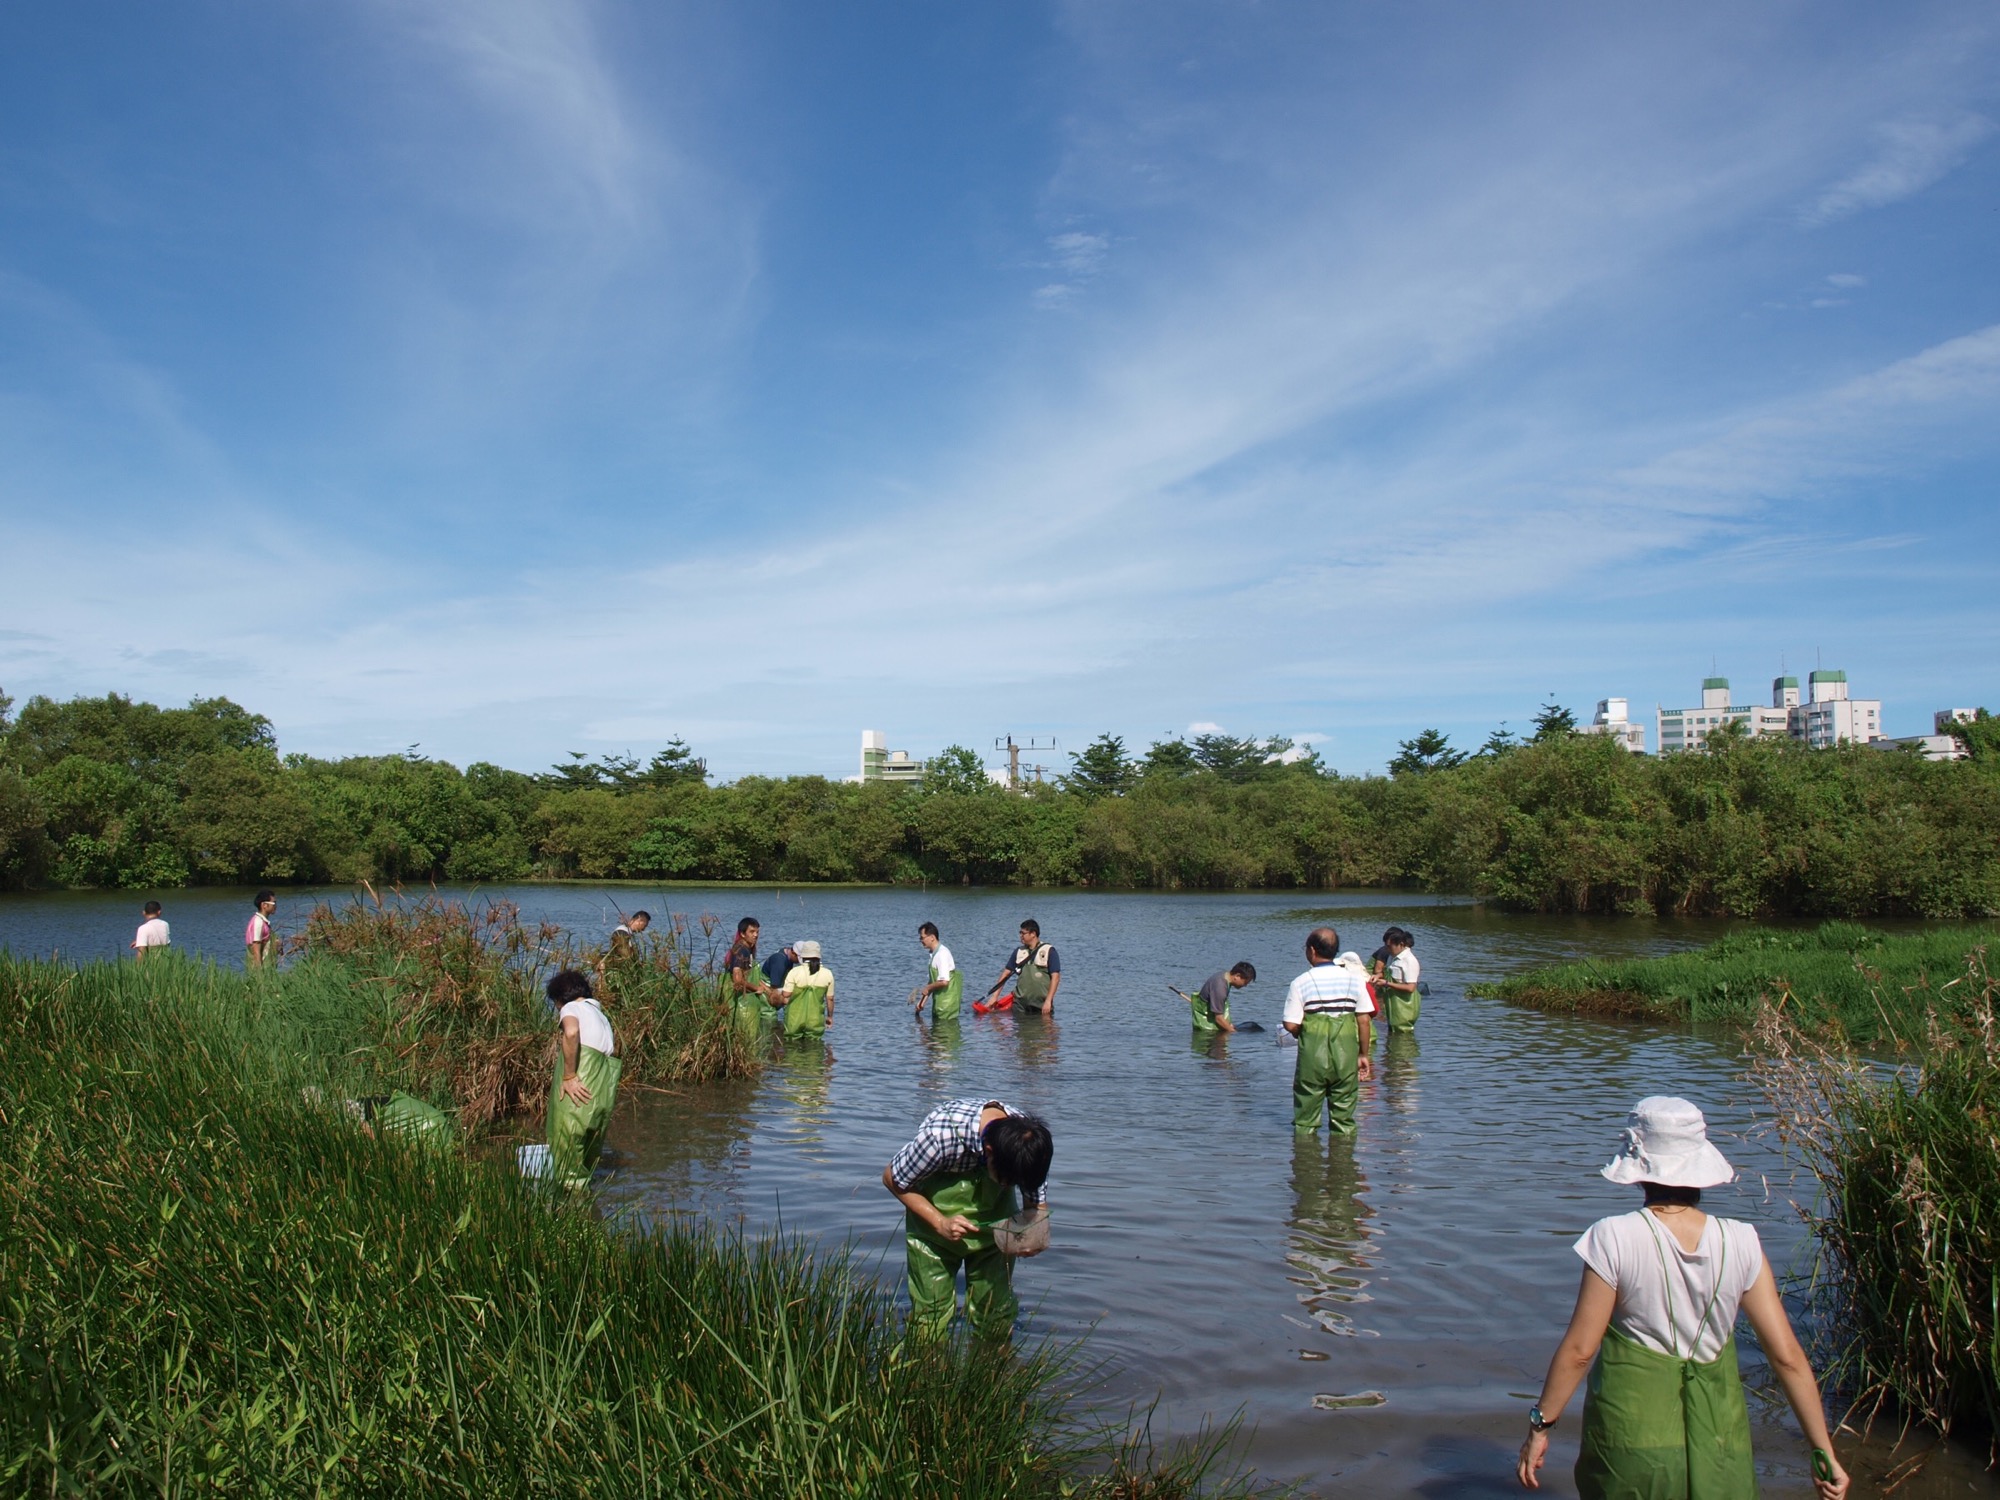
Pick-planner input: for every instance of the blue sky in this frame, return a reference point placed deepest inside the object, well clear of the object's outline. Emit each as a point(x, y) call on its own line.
point(509, 378)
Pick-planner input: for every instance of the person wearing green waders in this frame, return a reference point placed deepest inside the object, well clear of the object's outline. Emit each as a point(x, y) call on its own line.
point(586, 1081)
point(1327, 1008)
point(1210, 1003)
point(956, 1181)
point(1663, 1413)
point(946, 990)
point(1035, 970)
point(744, 987)
point(808, 994)
point(1397, 979)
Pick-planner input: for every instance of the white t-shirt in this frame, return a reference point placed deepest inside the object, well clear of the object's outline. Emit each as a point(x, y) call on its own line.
point(152, 934)
point(942, 963)
point(1327, 989)
point(1646, 1266)
point(1404, 968)
point(592, 1029)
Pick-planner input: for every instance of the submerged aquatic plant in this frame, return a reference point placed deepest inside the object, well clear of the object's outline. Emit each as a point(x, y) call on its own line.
point(214, 1283)
point(1908, 1162)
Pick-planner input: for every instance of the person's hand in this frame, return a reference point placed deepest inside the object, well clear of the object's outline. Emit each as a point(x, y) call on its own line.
point(1367, 1069)
point(1534, 1450)
point(1836, 1487)
point(955, 1227)
point(576, 1090)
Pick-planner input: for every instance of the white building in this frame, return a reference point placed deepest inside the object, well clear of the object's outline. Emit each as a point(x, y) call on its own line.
point(1944, 745)
point(1614, 718)
point(880, 763)
point(1825, 717)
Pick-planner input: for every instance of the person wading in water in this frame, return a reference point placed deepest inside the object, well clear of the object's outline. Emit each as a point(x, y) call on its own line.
point(1663, 1414)
point(1035, 970)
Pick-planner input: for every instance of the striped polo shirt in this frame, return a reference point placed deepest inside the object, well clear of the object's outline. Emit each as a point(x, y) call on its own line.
point(1327, 990)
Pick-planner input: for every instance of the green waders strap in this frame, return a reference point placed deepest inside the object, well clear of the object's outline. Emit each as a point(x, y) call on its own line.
point(975, 1195)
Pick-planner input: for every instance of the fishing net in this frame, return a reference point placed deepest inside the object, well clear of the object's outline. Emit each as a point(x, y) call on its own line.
point(1023, 1234)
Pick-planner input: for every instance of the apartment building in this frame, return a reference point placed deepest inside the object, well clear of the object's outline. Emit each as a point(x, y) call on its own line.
point(1614, 718)
point(1823, 716)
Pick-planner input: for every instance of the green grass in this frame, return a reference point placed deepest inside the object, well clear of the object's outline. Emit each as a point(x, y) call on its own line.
point(1875, 987)
point(1909, 1164)
point(215, 1284)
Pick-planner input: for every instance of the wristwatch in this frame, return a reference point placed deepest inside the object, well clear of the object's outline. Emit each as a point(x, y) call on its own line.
point(1536, 1421)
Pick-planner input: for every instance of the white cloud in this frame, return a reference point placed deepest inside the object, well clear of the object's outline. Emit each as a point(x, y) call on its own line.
point(1846, 279)
point(1911, 155)
point(1203, 726)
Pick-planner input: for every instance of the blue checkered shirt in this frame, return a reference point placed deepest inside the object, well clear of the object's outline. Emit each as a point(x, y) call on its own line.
point(949, 1141)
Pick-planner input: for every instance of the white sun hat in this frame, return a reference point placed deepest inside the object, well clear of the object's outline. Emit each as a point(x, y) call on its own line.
point(805, 950)
point(1666, 1141)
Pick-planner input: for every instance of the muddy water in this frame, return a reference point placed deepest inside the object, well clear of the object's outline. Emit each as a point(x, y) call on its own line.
point(1380, 1309)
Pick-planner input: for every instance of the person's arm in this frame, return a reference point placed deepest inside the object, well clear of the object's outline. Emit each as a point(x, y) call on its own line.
point(1055, 983)
point(1766, 1311)
point(1366, 1023)
point(574, 1088)
point(1222, 1023)
point(953, 1227)
point(829, 1002)
point(1005, 975)
point(1594, 1302)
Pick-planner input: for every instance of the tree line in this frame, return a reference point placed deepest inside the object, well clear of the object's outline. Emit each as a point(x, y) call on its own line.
point(108, 792)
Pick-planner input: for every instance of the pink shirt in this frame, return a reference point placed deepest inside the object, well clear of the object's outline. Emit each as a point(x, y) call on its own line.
point(258, 929)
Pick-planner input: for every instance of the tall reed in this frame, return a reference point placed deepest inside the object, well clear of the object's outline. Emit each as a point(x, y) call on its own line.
point(1908, 1161)
point(213, 1284)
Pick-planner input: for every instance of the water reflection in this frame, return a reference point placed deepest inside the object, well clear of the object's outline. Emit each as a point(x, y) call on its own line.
point(1397, 1071)
point(941, 1041)
point(1038, 1037)
point(1325, 1248)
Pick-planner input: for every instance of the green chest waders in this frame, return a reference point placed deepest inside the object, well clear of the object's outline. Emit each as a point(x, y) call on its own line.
point(406, 1115)
point(1402, 1009)
point(1203, 1021)
point(1031, 983)
point(1327, 1077)
point(945, 1003)
point(576, 1131)
point(748, 1008)
point(1663, 1426)
point(805, 1013)
point(933, 1260)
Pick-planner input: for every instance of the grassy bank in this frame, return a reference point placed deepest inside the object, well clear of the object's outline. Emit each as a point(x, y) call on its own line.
point(1909, 1165)
point(451, 996)
point(214, 1285)
point(1875, 987)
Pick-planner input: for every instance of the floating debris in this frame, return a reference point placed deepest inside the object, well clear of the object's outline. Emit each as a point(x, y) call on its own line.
point(1313, 1354)
point(1328, 1402)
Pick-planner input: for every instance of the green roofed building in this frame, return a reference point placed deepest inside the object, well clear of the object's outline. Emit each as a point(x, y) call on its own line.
point(1822, 717)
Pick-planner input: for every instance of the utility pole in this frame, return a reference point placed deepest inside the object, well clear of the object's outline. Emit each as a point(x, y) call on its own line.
point(1014, 759)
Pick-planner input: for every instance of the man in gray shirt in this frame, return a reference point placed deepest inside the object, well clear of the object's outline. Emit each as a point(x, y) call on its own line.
point(1211, 1002)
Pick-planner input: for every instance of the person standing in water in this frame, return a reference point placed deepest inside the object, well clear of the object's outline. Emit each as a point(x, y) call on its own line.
point(744, 987)
point(1210, 1004)
point(808, 993)
point(153, 932)
point(625, 936)
point(1663, 1414)
point(586, 1080)
point(779, 964)
point(946, 989)
point(1396, 980)
point(258, 941)
point(1327, 1008)
point(956, 1180)
point(1035, 970)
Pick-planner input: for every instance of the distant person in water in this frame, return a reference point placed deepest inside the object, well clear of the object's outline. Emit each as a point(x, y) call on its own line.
point(1328, 1008)
point(945, 991)
point(744, 987)
point(1663, 1413)
point(1035, 970)
point(624, 937)
point(1210, 1004)
point(259, 942)
point(1396, 981)
point(808, 993)
point(153, 932)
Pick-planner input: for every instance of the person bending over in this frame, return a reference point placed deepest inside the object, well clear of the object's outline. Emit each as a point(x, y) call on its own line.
point(586, 1080)
point(1211, 1002)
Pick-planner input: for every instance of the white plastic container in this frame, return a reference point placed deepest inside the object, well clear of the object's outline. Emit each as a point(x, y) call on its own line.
point(533, 1160)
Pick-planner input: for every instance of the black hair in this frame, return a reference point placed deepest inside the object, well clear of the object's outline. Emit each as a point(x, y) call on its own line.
point(1659, 1192)
point(151, 908)
point(568, 985)
point(1031, 925)
point(263, 896)
point(929, 929)
point(640, 916)
point(1324, 941)
point(1399, 935)
point(746, 924)
point(1247, 972)
point(1022, 1149)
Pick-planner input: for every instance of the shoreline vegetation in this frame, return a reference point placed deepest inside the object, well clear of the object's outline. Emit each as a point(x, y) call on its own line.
point(109, 793)
point(218, 1280)
point(1906, 1151)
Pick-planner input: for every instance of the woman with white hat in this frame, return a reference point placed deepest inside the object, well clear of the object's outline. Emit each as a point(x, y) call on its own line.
point(1664, 1416)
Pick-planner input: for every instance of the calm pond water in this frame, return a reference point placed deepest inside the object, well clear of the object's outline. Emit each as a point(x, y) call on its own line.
point(1380, 1310)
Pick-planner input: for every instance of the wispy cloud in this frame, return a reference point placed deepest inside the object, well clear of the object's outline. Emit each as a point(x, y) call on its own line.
point(1910, 155)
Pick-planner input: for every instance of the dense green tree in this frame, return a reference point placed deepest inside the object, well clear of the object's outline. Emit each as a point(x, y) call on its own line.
point(1499, 742)
point(957, 771)
point(1981, 737)
point(1429, 751)
point(1169, 759)
point(1553, 722)
point(1101, 769)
